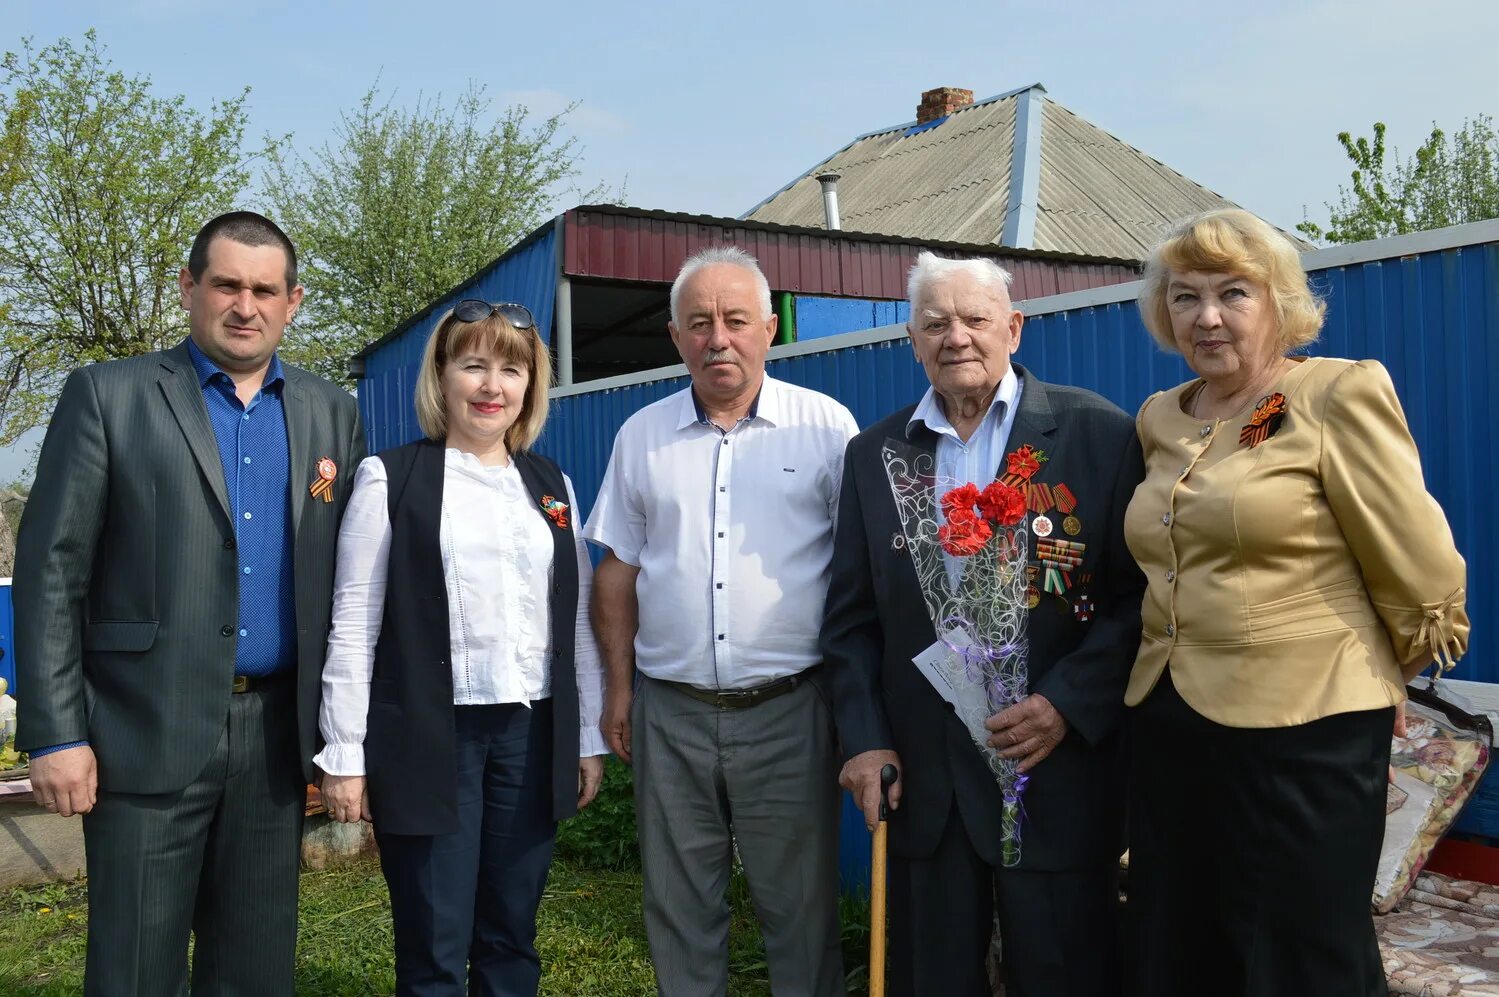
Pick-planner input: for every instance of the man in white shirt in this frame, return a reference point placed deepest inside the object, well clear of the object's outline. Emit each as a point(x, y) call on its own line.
point(717, 513)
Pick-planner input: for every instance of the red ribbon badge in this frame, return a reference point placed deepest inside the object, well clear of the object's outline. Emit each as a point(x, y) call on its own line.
point(323, 487)
point(1022, 464)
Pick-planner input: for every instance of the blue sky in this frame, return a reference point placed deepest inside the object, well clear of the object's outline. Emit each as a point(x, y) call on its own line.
point(708, 107)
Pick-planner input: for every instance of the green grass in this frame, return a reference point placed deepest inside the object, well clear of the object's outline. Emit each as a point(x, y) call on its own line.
point(590, 935)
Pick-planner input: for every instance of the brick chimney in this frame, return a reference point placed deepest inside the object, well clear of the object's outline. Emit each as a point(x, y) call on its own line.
point(941, 102)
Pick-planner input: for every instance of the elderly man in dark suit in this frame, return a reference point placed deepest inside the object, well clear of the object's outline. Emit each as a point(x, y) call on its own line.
point(172, 592)
point(1057, 906)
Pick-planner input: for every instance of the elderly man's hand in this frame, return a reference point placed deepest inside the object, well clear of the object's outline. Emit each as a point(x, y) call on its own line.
point(66, 781)
point(1029, 731)
point(861, 777)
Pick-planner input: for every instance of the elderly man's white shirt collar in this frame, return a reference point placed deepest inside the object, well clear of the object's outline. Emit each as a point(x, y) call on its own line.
point(930, 413)
point(768, 405)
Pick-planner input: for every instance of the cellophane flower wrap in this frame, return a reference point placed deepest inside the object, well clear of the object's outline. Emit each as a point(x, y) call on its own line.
point(969, 546)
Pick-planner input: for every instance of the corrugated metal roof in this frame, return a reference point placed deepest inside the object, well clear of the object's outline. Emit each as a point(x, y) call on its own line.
point(1098, 196)
point(616, 243)
point(1099, 192)
point(950, 182)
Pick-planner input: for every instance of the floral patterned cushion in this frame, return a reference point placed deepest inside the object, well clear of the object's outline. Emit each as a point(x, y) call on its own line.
point(1437, 765)
point(1443, 939)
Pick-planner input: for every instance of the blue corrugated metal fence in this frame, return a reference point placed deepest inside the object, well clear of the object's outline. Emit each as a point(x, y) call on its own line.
point(529, 277)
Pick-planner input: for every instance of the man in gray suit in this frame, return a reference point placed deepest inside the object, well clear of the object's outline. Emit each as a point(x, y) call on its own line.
point(172, 590)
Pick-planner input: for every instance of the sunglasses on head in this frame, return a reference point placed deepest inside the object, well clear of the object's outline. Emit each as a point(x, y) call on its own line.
point(476, 310)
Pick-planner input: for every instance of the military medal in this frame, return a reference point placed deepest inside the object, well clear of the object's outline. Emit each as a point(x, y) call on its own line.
point(1084, 608)
point(1059, 559)
point(323, 487)
point(1039, 498)
point(1072, 526)
point(1032, 597)
point(1041, 526)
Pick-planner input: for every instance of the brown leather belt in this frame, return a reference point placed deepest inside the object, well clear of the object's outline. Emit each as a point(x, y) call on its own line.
point(739, 699)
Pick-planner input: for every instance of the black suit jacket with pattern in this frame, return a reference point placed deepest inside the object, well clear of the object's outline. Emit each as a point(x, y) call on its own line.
point(127, 582)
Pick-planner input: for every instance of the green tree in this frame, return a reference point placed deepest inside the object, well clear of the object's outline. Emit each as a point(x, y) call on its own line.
point(1447, 182)
point(103, 184)
point(405, 204)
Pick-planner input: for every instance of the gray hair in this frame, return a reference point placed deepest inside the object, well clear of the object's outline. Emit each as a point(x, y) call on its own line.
point(931, 268)
point(729, 255)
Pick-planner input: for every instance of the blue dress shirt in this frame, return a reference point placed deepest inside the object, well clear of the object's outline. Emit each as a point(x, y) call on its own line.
point(256, 458)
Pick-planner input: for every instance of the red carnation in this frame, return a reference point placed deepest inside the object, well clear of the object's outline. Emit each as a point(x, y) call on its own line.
point(962, 497)
point(964, 535)
point(1002, 504)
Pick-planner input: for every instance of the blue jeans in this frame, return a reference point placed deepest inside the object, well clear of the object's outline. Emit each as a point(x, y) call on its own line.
point(464, 904)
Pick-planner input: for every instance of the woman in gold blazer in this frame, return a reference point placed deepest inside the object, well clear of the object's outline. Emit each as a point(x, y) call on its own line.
point(1298, 574)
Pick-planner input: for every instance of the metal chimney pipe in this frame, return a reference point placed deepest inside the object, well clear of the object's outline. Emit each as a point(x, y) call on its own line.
point(829, 183)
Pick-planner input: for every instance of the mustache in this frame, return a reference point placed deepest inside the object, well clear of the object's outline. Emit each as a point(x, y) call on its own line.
point(718, 356)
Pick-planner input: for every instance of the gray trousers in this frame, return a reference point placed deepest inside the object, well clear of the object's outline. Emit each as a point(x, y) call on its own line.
point(218, 859)
point(764, 780)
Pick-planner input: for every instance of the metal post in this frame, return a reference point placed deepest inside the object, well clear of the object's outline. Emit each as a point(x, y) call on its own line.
point(564, 326)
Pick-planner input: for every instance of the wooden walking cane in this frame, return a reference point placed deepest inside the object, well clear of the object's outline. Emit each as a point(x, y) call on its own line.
point(888, 775)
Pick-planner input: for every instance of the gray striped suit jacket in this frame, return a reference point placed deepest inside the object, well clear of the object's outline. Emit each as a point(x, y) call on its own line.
point(126, 585)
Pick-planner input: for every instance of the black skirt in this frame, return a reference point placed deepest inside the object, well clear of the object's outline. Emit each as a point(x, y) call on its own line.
point(1253, 853)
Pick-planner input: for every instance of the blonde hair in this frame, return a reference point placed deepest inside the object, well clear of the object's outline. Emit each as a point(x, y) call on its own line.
point(1233, 241)
point(492, 335)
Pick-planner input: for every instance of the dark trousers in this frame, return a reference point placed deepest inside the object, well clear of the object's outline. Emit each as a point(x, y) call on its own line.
point(464, 904)
point(218, 859)
point(1058, 929)
point(1253, 853)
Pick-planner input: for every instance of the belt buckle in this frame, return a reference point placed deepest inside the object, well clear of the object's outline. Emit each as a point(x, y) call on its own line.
point(241, 683)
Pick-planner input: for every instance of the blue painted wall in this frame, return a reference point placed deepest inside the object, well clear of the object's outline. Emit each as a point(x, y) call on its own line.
point(817, 318)
point(527, 275)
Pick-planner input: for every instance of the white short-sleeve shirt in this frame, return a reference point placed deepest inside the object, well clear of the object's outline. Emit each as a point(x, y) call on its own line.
point(732, 533)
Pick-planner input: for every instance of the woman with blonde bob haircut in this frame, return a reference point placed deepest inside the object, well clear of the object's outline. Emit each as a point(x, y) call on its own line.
point(492, 335)
point(463, 686)
point(1297, 575)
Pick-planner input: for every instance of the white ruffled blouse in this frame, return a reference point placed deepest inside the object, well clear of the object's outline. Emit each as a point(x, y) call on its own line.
point(497, 563)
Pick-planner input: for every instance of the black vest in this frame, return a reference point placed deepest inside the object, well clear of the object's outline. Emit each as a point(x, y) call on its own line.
point(409, 745)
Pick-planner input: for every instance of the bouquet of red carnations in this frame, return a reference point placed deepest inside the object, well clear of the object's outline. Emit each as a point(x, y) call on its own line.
point(969, 546)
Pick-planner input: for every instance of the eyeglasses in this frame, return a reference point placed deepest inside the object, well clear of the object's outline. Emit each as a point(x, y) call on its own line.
point(476, 310)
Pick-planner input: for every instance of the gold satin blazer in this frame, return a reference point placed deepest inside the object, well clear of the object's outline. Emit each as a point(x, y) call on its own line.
point(1292, 579)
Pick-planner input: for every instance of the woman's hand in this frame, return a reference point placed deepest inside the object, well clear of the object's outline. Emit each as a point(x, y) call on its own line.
point(346, 798)
point(590, 775)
